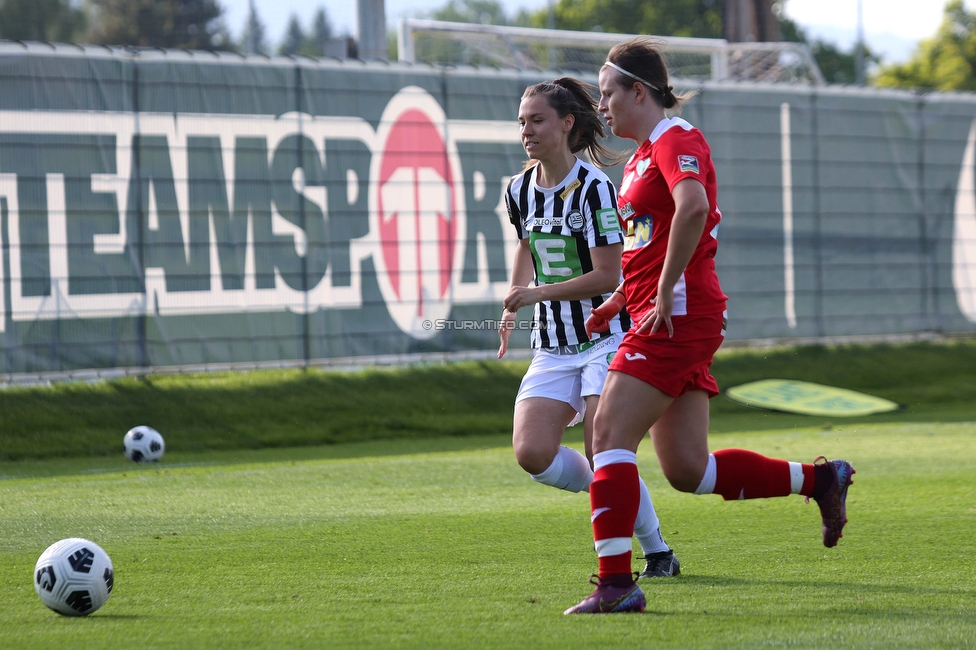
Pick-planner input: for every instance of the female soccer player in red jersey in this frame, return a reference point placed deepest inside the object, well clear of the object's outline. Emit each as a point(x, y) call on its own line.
point(659, 379)
point(567, 261)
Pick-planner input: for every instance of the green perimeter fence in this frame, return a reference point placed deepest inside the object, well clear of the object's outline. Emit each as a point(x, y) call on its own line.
point(177, 209)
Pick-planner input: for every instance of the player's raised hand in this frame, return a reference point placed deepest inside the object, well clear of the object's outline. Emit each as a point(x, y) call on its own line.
point(600, 317)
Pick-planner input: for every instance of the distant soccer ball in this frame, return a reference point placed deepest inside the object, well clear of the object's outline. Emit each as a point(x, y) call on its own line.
point(74, 577)
point(143, 444)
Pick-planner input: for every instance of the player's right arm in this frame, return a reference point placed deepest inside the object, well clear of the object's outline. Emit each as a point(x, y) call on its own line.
point(522, 274)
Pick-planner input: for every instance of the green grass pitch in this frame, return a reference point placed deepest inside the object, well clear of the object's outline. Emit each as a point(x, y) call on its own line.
point(447, 543)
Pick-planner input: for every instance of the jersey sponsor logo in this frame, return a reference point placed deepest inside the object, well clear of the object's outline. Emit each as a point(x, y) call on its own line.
point(569, 189)
point(544, 222)
point(556, 257)
point(642, 166)
point(639, 232)
point(607, 221)
point(688, 164)
point(595, 346)
point(627, 211)
point(610, 357)
point(575, 220)
point(634, 356)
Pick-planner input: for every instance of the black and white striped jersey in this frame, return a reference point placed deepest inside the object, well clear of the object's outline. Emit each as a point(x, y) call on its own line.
point(562, 224)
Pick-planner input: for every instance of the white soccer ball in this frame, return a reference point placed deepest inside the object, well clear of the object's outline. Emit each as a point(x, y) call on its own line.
point(74, 577)
point(143, 444)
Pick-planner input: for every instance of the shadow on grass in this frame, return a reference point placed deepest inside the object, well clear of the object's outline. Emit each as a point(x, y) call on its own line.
point(729, 581)
point(94, 465)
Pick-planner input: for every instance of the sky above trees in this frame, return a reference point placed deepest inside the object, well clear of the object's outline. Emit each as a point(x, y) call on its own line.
point(893, 27)
point(943, 58)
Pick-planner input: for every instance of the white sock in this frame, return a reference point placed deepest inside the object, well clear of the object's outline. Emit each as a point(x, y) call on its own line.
point(647, 527)
point(707, 485)
point(612, 456)
point(569, 471)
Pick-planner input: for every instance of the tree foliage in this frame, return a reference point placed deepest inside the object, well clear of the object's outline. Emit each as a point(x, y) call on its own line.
point(836, 65)
point(321, 28)
point(42, 20)
point(484, 12)
point(699, 18)
point(255, 37)
point(297, 41)
point(187, 24)
point(294, 37)
point(947, 61)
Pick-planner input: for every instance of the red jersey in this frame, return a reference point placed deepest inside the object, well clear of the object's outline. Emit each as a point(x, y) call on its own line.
point(675, 151)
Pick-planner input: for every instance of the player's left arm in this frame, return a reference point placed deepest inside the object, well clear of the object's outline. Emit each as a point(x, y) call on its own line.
point(605, 242)
point(603, 278)
point(690, 214)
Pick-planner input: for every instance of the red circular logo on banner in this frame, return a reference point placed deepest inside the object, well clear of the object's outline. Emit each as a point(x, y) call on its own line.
point(417, 219)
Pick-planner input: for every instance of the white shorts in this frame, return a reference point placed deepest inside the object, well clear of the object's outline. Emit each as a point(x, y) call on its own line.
point(569, 377)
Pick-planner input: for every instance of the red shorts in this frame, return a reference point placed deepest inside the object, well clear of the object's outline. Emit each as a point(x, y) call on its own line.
point(676, 365)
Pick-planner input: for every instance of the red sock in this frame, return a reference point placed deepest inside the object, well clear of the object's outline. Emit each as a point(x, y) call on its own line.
point(744, 474)
point(614, 500)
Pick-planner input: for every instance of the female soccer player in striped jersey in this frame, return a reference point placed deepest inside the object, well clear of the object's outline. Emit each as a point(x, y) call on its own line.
point(659, 379)
point(565, 213)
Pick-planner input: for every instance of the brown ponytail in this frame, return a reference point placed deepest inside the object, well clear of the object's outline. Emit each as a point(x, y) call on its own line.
point(643, 62)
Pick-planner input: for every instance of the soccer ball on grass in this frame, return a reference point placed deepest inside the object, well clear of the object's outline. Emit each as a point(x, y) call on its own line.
point(74, 577)
point(143, 444)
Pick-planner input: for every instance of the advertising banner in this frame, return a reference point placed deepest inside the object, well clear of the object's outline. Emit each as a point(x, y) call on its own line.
point(178, 209)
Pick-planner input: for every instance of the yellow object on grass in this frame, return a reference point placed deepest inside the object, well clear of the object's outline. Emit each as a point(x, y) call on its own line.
point(807, 398)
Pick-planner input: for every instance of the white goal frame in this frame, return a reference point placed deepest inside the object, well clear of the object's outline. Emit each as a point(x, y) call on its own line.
point(777, 62)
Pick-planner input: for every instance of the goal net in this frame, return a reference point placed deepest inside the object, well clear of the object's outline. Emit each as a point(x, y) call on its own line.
point(527, 48)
